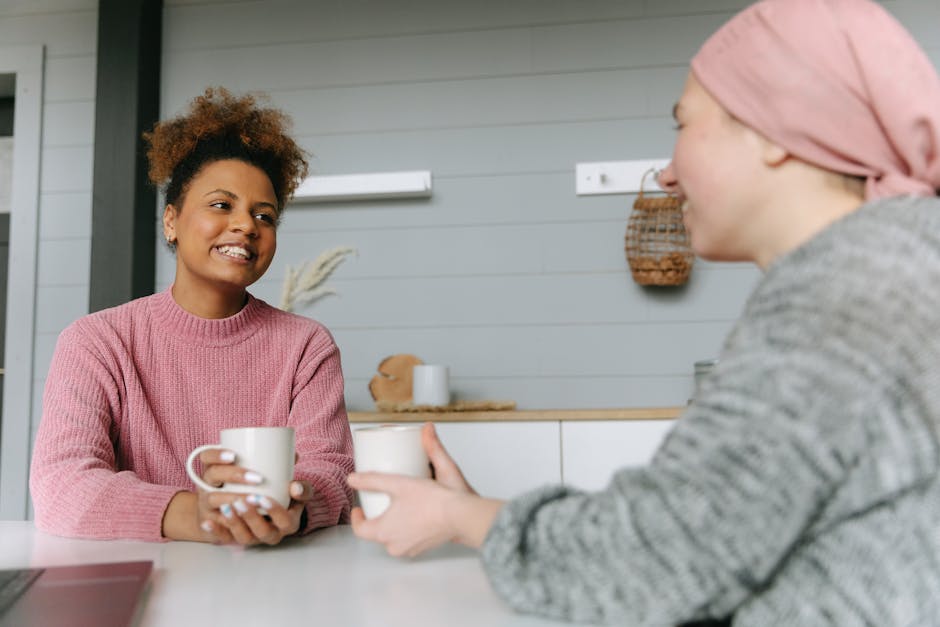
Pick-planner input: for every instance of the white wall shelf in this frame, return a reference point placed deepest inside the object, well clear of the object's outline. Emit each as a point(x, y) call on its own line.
point(616, 177)
point(374, 186)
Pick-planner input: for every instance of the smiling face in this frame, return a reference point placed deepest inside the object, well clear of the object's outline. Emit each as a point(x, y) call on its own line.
point(224, 230)
point(718, 169)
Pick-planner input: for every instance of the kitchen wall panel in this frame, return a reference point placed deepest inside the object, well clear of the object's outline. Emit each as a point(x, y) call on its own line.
point(504, 273)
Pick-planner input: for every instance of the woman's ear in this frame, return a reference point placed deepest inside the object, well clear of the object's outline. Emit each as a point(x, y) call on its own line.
point(169, 223)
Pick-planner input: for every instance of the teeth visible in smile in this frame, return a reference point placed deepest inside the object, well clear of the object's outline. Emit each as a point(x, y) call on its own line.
point(234, 251)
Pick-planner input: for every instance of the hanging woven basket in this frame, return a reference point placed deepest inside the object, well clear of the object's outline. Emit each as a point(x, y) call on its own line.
point(656, 243)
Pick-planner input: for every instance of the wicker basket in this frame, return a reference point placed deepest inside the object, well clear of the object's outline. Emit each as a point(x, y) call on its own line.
point(657, 244)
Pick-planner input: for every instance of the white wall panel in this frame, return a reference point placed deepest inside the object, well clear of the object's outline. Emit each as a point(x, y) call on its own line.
point(18, 8)
point(470, 102)
point(45, 347)
point(65, 215)
point(66, 169)
point(573, 299)
point(249, 22)
point(59, 306)
point(70, 78)
point(69, 33)
point(493, 150)
point(70, 123)
point(64, 262)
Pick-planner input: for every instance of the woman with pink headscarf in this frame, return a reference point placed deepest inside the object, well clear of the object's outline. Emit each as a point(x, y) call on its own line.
point(802, 486)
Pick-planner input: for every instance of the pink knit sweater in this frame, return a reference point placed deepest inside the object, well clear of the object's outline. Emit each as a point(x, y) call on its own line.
point(133, 389)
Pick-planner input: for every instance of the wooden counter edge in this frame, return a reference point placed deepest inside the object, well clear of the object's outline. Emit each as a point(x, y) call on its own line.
point(525, 415)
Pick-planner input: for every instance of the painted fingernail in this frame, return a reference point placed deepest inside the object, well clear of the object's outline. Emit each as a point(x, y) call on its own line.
point(227, 456)
point(260, 500)
point(241, 507)
point(206, 526)
point(226, 509)
point(251, 476)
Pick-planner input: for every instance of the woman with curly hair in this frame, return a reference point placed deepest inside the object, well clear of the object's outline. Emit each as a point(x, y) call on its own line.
point(802, 485)
point(133, 389)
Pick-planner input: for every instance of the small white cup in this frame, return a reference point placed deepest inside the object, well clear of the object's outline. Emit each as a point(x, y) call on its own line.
point(393, 449)
point(269, 451)
point(430, 385)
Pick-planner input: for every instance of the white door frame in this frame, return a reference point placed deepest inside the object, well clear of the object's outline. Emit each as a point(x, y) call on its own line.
point(27, 63)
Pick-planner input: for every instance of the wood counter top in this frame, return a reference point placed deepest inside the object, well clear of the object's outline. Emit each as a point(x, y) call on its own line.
point(526, 415)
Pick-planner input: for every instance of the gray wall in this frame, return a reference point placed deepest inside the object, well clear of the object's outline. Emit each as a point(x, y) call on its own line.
point(504, 273)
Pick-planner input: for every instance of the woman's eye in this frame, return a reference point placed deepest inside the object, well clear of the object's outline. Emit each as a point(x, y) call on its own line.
point(219, 204)
point(267, 218)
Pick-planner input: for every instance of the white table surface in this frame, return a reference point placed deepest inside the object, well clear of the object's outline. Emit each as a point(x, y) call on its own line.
point(327, 578)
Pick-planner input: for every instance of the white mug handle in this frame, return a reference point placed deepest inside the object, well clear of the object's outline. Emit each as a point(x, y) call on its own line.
point(199, 481)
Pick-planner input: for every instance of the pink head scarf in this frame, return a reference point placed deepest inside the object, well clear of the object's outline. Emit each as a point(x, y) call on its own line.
point(838, 83)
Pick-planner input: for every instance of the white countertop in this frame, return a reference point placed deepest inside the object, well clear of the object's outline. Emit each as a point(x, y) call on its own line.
point(328, 578)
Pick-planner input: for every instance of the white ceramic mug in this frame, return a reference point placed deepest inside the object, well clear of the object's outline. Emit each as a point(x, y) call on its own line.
point(269, 451)
point(394, 449)
point(430, 385)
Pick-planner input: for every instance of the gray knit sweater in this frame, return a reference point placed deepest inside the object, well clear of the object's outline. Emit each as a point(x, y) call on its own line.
point(800, 488)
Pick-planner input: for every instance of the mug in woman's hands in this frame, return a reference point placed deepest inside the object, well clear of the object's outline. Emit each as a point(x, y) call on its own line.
point(269, 451)
point(394, 449)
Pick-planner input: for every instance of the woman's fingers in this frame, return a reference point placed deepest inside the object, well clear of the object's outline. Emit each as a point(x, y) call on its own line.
point(264, 519)
point(376, 482)
point(216, 456)
point(356, 517)
point(446, 470)
point(415, 520)
point(435, 449)
point(284, 520)
point(361, 526)
point(301, 491)
point(217, 474)
point(254, 518)
point(232, 518)
point(219, 467)
point(249, 519)
point(216, 531)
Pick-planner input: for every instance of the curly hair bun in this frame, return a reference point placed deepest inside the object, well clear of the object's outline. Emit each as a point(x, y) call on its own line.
point(219, 125)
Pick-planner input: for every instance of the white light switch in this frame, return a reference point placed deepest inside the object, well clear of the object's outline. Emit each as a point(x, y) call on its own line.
point(616, 177)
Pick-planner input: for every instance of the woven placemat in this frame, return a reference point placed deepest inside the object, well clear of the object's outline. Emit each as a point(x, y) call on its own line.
point(391, 406)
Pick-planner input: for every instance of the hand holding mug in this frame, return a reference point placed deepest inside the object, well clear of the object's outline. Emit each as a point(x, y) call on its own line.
point(245, 492)
point(253, 519)
point(263, 458)
point(423, 513)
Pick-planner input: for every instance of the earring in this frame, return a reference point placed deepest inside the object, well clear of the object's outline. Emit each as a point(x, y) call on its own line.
point(170, 240)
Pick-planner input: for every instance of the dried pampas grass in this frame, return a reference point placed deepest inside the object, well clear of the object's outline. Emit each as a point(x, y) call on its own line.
point(302, 285)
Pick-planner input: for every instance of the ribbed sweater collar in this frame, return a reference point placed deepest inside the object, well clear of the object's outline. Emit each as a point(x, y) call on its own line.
point(192, 329)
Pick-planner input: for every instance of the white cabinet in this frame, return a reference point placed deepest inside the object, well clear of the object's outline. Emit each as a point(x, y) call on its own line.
point(592, 450)
point(503, 459)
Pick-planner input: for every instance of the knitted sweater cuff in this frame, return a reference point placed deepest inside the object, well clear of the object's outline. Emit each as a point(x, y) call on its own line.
point(146, 521)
